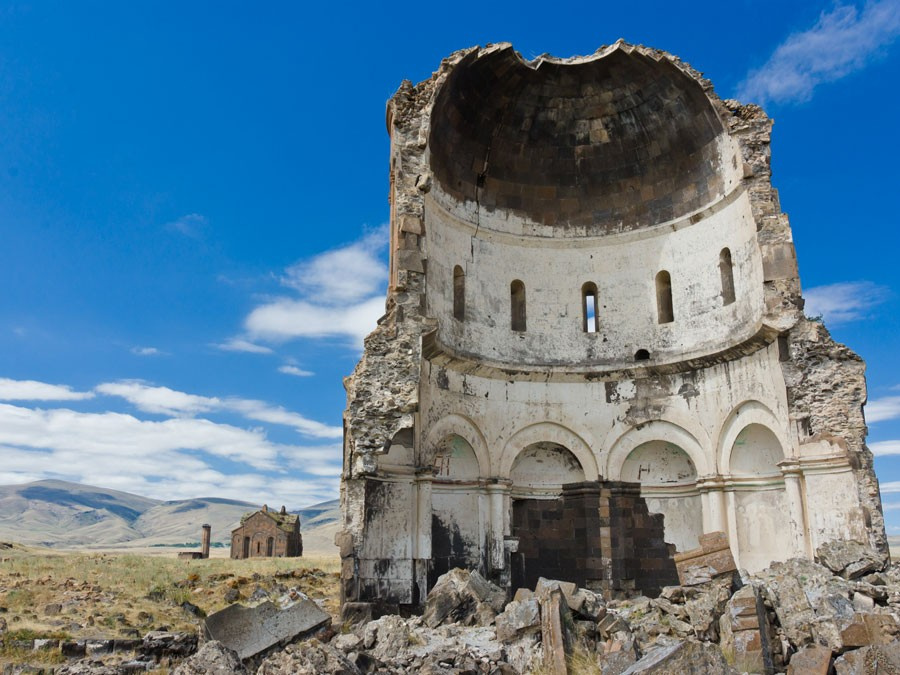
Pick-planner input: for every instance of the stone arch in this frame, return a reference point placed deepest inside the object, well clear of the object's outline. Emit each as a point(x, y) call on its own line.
point(548, 432)
point(756, 452)
point(674, 460)
point(744, 414)
point(458, 425)
point(657, 430)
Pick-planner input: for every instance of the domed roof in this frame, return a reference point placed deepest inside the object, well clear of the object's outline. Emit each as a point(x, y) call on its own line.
point(617, 141)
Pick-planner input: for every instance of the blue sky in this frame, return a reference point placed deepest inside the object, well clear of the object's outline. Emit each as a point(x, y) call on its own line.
point(193, 198)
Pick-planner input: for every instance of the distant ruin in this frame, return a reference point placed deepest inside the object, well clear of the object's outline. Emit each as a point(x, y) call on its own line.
point(203, 553)
point(593, 297)
point(267, 534)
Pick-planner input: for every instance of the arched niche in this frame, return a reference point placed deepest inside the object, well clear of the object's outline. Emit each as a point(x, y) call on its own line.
point(457, 530)
point(756, 452)
point(456, 425)
point(743, 415)
point(659, 463)
point(455, 459)
point(545, 466)
point(668, 479)
point(761, 508)
point(548, 432)
point(681, 433)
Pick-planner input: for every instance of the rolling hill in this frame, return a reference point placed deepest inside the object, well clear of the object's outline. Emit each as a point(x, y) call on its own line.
point(69, 515)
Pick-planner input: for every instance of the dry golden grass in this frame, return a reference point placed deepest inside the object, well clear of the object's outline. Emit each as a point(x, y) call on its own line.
point(104, 594)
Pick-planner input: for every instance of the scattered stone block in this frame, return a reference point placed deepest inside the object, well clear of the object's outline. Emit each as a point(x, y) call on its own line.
point(850, 559)
point(555, 637)
point(873, 660)
point(682, 657)
point(811, 660)
point(518, 618)
point(744, 632)
point(252, 630)
point(711, 560)
point(462, 596)
point(213, 658)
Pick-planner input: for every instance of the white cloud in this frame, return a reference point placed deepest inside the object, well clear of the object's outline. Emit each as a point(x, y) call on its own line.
point(892, 506)
point(340, 293)
point(845, 301)
point(241, 345)
point(294, 370)
point(841, 42)
point(31, 390)
point(890, 487)
point(166, 401)
point(881, 409)
point(159, 400)
point(171, 459)
point(285, 319)
point(343, 275)
point(147, 351)
point(191, 225)
point(882, 448)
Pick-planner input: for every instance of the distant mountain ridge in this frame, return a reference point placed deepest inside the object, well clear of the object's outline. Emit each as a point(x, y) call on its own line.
point(61, 514)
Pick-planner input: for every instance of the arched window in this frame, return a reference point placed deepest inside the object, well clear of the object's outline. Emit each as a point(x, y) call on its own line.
point(517, 305)
point(664, 309)
point(590, 321)
point(459, 293)
point(726, 271)
point(270, 547)
point(642, 355)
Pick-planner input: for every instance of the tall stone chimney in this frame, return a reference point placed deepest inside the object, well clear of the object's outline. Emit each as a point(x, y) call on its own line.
point(204, 541)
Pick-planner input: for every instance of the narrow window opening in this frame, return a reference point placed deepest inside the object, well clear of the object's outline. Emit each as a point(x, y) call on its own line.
point(517, 305)
point(726, 271)
point(664, 310)
point(642, 355)
point(258, 547)
point(590, 321)
point(459, 293)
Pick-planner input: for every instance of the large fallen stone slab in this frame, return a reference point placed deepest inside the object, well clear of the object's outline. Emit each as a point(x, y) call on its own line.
point(252, 630)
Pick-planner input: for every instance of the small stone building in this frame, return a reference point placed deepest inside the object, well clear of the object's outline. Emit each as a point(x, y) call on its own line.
point(594, 328)
point(267, 534)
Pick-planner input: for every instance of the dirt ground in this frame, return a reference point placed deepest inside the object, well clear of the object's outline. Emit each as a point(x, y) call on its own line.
point(59, 594)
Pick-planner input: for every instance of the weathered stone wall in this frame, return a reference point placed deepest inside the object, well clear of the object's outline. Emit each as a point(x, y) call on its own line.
point(593, 172)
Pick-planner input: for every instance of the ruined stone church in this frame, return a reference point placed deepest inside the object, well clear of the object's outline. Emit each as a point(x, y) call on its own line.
point(594, 349)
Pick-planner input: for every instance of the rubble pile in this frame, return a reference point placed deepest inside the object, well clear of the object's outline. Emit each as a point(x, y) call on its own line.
point(838, 615)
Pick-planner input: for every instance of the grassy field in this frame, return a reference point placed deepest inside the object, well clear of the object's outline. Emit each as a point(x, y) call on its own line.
point(48, 593)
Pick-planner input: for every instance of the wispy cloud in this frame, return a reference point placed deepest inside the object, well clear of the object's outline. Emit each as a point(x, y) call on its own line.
point(845, 301)
point(889, 487)
point(841, 42)
point(31, 390)
point(191, 225)
point(882, 448)
point(881, 409)
point(241, 345)
point(891, 506)
point(147, 351)
point(339, 293)
point(159, 400)
point(165, 401)
point(294, 370)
